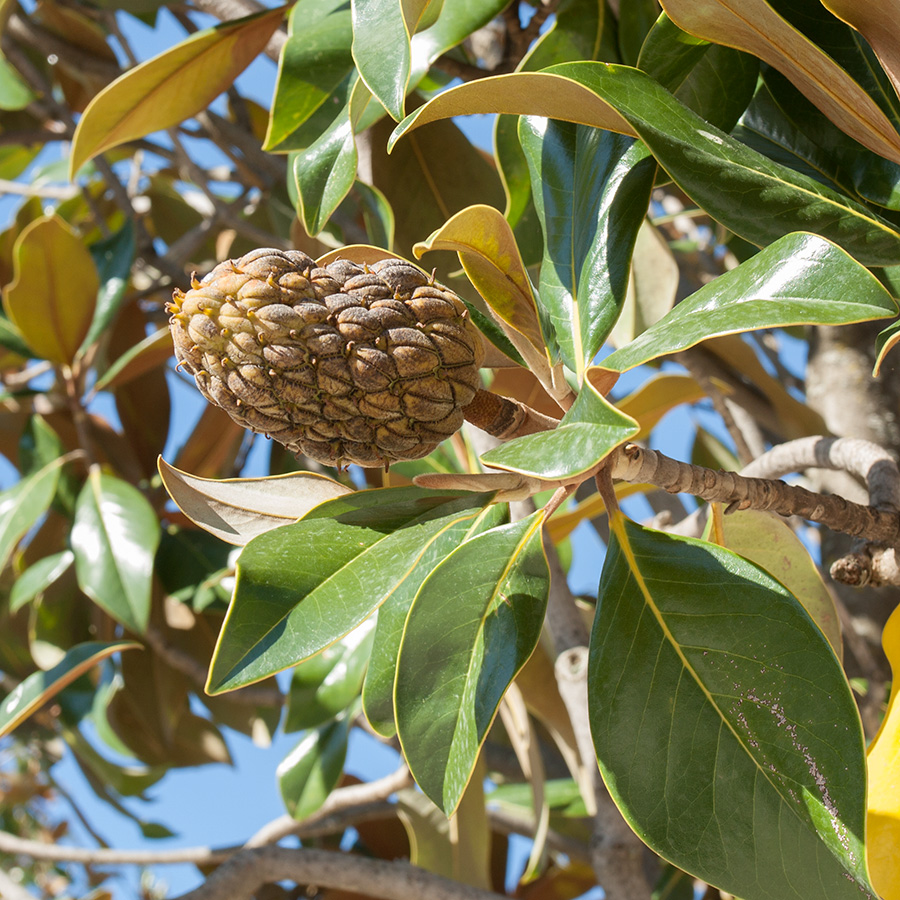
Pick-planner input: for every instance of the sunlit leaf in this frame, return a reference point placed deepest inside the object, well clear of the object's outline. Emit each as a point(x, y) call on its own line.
point(114, 538)
point(238, 509)
point(754, 26)
point(472, 626)
point(172, 86)
point(52, 296)
point(883, 813)
point(724, 726)
point(37, 577)
point(149, 354)
point(587, 433)
point(800, 279)
point(591, 189)
point(24, 503)
point(311, 771)
point(648, 403)
point(290, 604)
point(36, 689)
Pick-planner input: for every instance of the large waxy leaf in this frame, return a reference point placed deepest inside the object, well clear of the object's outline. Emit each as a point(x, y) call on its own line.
point(800, 279)
point(23, 504)
point(314, 60)
point(378, 24)
point(723, 723)
point(290, 604)
point(472, 626)
point(114, 538)
point(378, 688)
point(145, 356)
point(771, 543)
point(171, 87)
point(38, 577)
point(237, 510)
point(587, 433)
point(311, 771)
point(54, 289)
point(718, 172)
point(754, 26)
point(591, 189)
point(883, 761)
point(39, 687)
point(655, 397)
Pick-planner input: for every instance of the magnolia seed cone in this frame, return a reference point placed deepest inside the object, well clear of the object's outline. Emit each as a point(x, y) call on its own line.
point(341, 363)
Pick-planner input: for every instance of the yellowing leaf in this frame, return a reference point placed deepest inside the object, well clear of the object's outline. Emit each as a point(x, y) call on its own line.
point(487, 249)
point(521, 93)
point(754, 26)
point(654, 398)
point(883, 763)
point(361, 254)
point(171, 87)
point(54, 289)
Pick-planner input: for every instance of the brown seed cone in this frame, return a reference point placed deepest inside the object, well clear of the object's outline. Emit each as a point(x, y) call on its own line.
point(341, 363)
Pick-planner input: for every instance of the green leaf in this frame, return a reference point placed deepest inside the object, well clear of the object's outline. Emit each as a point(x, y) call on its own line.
point(587, 433)
point(591, 189)
point(54, 289)
point(114, 538)
point(725, 729)
point(471, 628)
point(801, 279)
point(290, 604)
point(113, 257)
point(325, 171)
point(23, 504)
point(314, 61)
point(378, 688)
point(635, 20)
point(311, 771)
point(39, 687)
point(378, 24)
point(11, 338)
point(328, 683)
point(38, 577)
point(14, 92)
point(172, 86)
point(717, 172)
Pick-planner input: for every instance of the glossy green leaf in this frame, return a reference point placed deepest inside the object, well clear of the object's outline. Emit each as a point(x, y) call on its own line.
point(54, 289)
point(23, 504)
point(290, 604)
point(114, 538)
point(113, 257)
point(311, 771)
point(591, 189)
point(725, 729)
point(37, 577)
point(716, 171)
point(377, 214)
point(587, 433)
point(378, 688)
point(378, 24)
point(800, 279)
point(172, 86)
point(39, 687)
point(314, 61)
point(472, 626)
point(325, 171)
point(635, 20)
point(756, 27)
point(328, 683)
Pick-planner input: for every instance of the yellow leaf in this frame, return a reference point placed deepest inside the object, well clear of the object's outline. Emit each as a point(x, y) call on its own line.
point(487, 249)
point(171, 87)
point(520, 93)
point(883, 762)
point(54, 289)
point(654, 398)
point(754, 26)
